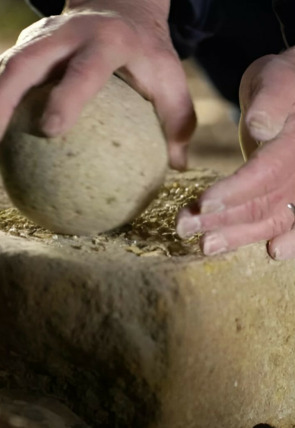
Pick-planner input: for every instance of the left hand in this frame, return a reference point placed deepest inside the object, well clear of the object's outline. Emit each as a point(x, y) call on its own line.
point(79, 51)
point(252, 204)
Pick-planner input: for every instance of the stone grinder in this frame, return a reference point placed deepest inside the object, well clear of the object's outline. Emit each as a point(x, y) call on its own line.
point(98, 176)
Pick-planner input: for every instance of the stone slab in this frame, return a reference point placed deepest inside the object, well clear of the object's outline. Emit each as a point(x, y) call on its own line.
point(149, 339)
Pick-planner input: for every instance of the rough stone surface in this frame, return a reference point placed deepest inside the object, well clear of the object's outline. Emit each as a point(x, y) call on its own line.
point(129, 341)
point(98, 176)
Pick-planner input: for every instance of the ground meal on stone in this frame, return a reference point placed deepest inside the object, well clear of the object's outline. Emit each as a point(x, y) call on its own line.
point(152, 233)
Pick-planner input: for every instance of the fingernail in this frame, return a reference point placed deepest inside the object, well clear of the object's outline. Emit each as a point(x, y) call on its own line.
point(178, 156)
point(188, 226)
point(212, 206)
point(276, 254)
point(51, 125)
point(262, 127)
point(214, 244)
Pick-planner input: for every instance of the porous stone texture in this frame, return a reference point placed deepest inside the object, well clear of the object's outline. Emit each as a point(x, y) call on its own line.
point(148, 340)
point(96, 177)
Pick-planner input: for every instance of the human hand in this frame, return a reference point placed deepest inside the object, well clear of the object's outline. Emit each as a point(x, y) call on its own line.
point(252, 204)
point(82, 48)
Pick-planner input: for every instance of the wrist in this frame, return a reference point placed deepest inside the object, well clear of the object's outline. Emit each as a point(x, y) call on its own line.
point(152, 7)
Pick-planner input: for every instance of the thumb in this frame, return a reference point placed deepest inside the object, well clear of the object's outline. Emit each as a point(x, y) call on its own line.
point(247, 142)
point(267, 94)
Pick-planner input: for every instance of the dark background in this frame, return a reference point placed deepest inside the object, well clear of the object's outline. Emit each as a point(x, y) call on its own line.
point(14, 15)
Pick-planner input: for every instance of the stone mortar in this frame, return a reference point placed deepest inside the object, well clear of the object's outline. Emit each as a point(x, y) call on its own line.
point(130, 338)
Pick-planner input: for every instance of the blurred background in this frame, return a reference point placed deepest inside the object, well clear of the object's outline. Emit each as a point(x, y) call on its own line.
point(215, 143)
point(14, 15)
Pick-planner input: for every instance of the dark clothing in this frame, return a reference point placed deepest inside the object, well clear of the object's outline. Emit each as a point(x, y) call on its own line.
point(47, 7)
point(225, 36)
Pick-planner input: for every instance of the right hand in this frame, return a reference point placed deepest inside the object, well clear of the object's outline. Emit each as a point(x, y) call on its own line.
point(83, 47)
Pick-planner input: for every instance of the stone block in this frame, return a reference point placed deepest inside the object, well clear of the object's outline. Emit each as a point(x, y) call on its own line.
point(135, 333)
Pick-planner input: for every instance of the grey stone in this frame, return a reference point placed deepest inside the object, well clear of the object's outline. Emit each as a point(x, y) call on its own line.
point(129, 341)
point(22, 410)
point(99, 175)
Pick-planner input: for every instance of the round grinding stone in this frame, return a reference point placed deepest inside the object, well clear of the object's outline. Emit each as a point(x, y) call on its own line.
point(98, 176)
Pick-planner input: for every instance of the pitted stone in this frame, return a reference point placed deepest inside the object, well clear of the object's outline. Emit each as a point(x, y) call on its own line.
point(96, 177)
point(152, 342)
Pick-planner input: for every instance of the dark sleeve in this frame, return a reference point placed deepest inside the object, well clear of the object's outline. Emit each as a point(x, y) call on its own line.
point(192, 21)
point(47, 7)
point(285, 12)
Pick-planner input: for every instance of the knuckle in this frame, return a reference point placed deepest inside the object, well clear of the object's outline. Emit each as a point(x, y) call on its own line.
point(37, 28)
point(277, 226)
point(104, 30)
point(254, 69)
point(76, 21)
point(81, 69)
point(14, 63)
point(47, 21)
point(19, 59)
point(118, 34)
point(257, 210)
point(270, 176)
point(253, 79)
point(223, 219)
point(24, 35)
point(40, 24)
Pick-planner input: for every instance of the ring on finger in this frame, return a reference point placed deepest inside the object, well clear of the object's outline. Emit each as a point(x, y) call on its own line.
point(291, 207)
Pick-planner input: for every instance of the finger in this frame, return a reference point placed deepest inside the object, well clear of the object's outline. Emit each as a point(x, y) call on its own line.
point(163, 82)
point(267, 96)
point(39, 29)
point(270, 167)
point(189, 220)
point(232, 237)
point(175, 109)
point(85, 75)
point(25, 69)
point(283, 247)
